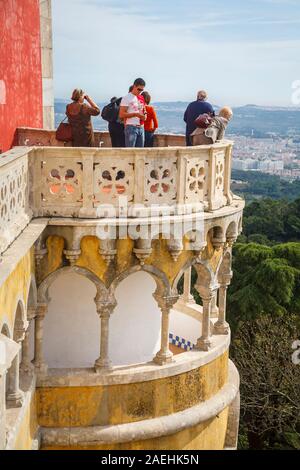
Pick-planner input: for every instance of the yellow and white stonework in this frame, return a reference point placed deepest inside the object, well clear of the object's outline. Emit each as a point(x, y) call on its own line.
point(86, 360)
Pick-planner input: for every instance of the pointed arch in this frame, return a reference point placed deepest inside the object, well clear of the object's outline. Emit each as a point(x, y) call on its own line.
point(159, 276)
point(43, 296)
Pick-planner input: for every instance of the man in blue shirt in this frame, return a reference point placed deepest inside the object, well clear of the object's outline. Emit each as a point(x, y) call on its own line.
point(194, 109)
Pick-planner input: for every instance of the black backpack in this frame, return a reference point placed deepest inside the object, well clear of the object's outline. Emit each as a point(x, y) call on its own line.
point(110, 112)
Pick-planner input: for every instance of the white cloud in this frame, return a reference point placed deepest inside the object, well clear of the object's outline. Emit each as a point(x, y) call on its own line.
point(104, 49)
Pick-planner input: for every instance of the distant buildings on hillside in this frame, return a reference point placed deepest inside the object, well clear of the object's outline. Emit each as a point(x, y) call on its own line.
point(276, 156)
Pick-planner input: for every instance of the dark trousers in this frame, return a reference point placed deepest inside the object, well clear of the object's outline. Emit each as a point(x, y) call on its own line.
point(149, 139)
point(116, 132)
point(188, 140)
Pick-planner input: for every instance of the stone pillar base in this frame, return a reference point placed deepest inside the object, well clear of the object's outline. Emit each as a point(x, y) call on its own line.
point(27, 368)
point(15, 400)
point(162, 358)
point(40, 368)
point(221, 328)
point(204, 344)
point(101, 364)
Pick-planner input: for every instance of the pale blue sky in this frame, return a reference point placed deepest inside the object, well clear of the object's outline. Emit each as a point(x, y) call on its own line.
point(240, 51)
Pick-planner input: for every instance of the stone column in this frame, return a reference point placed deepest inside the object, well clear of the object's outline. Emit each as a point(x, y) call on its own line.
point(26, 365)
point(39, 363)
point(187, 296)
point(104, 310)
point(221, 327)
point(15, 396)
point(214, 306)
point(204, 342)
point(165, 304)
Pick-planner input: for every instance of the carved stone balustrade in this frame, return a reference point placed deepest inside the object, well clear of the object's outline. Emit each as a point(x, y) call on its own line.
point(88, 183)
point(105, 182)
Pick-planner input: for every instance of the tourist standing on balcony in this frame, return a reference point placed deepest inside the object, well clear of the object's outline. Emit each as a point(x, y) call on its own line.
point(151, 123)
point(79, 115)
point(133, 114)
point(194, 109)
point(216, 129)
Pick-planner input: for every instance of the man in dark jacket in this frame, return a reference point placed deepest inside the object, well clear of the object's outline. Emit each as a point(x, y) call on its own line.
point(115, 127)
point(194, 109)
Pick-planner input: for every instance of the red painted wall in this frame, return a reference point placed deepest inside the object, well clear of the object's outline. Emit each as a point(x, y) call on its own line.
point(20, 68)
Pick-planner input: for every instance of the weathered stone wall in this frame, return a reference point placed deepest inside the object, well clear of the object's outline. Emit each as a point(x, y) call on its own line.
point(209, 435)
point(46, 137)
point(21, 424)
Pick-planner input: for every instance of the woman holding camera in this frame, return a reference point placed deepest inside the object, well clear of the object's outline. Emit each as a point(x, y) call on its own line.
point(79, 115)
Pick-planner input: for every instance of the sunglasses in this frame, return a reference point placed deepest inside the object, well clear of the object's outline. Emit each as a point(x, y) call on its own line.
point(140, 89)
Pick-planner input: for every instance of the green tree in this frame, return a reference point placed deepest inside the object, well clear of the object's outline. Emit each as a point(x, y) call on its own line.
point(270, 383)
point(266, 281)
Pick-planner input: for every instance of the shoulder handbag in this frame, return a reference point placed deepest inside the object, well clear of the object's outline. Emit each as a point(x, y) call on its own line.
point(64, 131)
point(203, 121)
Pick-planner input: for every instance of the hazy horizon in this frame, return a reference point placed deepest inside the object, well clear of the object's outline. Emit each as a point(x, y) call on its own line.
point(294, 107)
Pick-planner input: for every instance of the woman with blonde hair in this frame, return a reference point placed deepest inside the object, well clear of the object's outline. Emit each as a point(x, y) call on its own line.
point(79, 115)
point(216, 129)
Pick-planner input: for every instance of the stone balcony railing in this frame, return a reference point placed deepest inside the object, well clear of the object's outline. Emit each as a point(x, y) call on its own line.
point(80, 182)
point(31, 137)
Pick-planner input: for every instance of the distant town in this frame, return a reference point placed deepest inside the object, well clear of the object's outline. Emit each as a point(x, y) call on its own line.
point(274, 155)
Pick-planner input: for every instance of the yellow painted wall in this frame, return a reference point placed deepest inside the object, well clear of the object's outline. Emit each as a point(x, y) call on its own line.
point(209, 435)
point(116, 404)
point(85, 406)
point(125, 259)
point(14, 288)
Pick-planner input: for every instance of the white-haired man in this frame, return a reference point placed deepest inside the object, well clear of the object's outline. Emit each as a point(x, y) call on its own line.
point(194, 109)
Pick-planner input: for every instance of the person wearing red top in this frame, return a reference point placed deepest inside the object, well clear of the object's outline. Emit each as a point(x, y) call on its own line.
point(151, 123)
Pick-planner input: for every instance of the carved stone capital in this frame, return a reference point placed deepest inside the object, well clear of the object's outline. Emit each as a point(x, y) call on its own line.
point(72, 256)
point(231, 239)
point(41, 311)
point(31, 313)
point(108, 250)
point(142, 249)
point(142, 254)
point(40, 253)
point(206, 293)
point(108, 255)
point(165, 303)
point(218, 243)
point(175, 248)
point(105, 309)
point(20, 330)
point(225, 279)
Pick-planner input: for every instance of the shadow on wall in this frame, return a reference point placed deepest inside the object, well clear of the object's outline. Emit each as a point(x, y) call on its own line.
point(135, 325)
point(72, 327)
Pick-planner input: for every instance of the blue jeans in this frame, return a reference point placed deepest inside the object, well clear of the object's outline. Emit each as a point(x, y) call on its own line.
point(134, 136)
point(149, 139)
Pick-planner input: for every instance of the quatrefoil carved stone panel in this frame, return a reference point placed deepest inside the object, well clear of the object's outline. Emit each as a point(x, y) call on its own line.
point(63, 181)
point(160, 177)
point(112, 180)
point(196, 180)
